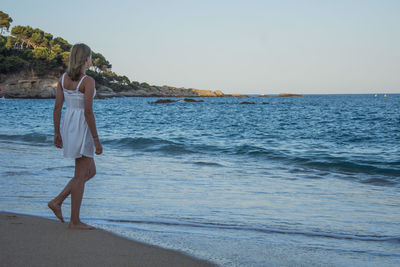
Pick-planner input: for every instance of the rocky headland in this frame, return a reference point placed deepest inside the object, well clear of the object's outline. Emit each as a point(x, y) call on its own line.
point(26, 85)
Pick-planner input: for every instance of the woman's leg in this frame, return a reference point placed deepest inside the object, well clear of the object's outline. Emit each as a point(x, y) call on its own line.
point(82, 167)
point(55, 204)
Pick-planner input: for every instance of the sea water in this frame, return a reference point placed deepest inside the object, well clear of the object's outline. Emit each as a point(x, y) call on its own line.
point(302, 181)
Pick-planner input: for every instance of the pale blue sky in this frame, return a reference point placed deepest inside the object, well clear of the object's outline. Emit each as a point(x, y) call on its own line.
point(235, 46)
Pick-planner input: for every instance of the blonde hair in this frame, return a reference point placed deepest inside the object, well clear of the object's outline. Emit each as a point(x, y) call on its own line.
point(77, 59)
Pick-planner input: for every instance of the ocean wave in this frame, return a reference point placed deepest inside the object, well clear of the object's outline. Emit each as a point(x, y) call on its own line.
point(380, 173)
point(138, 142)
point(202, 163)
point(149, 145)
point(375, 238)
point(59, 167)
point(17, 173)
point(378, 181)
point(324, 162)
point(28, 137)
point(353, 167)
point(155, 144)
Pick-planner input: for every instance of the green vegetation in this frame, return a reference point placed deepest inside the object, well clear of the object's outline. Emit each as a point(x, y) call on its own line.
point(5, 22)
point(40, 53)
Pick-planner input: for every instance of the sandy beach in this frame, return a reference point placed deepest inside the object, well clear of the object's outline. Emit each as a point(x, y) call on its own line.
point(34, 241)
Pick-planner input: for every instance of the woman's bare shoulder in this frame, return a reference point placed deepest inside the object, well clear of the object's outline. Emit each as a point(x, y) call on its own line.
point(61, 77)
point(89, 81)
point(60, 80)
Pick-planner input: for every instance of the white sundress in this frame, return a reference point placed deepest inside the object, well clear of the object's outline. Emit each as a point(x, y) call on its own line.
point(76, 136)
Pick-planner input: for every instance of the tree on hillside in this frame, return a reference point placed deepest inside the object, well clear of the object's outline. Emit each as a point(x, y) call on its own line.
point(10, 42)
point(123, 80)
point(23, 35)
point(63, 44)
point(5, 21)
point(43, 53)
point(110, 76)
point(65, 58)
point(41, 38)
point(43, 44)
point(100, 63)
point(39, 51)
point(10, 63)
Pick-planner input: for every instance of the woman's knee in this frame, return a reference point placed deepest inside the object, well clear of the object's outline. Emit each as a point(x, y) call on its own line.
point(91, 171)
point(79, 179)
point(91, 174)
point(83, 167)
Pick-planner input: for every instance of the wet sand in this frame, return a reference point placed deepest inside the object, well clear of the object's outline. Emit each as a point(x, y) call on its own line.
point(34, 241)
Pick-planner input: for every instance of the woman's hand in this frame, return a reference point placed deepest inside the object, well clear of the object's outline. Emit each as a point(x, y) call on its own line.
point(58, 140)
point(98, 146)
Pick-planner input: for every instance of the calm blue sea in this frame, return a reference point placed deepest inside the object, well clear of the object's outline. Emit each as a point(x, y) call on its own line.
point(305, 181)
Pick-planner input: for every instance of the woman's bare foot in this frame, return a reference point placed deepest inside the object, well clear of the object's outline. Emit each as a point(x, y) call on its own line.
point(80, 226)
point(56, 209)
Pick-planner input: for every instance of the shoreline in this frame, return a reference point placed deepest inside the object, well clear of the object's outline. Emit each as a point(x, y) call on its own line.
point(29, 240)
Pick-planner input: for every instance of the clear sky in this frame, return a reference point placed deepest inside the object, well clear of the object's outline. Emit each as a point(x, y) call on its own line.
point(325, 46)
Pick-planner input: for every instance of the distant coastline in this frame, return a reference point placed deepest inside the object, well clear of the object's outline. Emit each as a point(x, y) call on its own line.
point(24, 84)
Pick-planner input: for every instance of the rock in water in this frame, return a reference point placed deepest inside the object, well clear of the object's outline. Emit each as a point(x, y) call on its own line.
point(162, 101)
point(192, 100)
point(288, 95)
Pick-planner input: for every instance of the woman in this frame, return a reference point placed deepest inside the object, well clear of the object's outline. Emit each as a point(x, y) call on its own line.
point(78, 133)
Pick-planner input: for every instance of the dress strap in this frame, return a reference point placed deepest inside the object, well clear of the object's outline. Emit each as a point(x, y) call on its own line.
point(77, 87)
point(62, 81)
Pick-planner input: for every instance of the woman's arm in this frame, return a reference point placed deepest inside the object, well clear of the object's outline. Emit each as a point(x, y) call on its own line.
point(89, 115)
point(57, 115)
